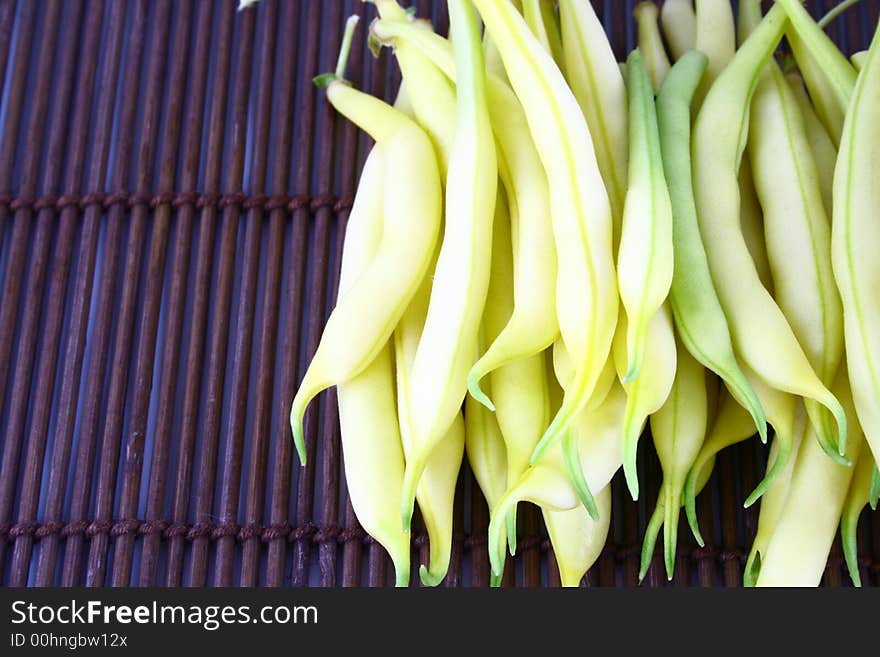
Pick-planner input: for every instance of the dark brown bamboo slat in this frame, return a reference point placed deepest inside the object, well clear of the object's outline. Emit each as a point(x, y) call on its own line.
point(241, 356)
point(317, 304)
point(7, 17)
point(133, 455)
point(101, 100)
point(260, 427)
point(18, 77)
point(18, 250)
point(730, 506)
point(52, 320)
point(220, 315)
point(82, 289)
point(192, 395)
point(294, 291)
point(125, 321)
point(705, 565)
point(177, 299)
point(93, 393)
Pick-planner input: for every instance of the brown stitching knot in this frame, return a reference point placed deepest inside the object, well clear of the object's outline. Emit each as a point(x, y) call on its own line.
point(343, 204)
point(731, 555)
point(229, 200)
point(252, 202)
point(124, 528)
point(139, 199)
point(327, 534)
point(152, 527)
point(322, 201)
point(208, 201)
point(98, 527)
point(48, 529)
point(74, 528)
point(22, 529)
point(68, 201)
point(185, 198)
point(176, 529)
point(45, 202)
point(351, 534)
point(199, 530)
point(224, 530)
point(276, 203)
point(298, 203)
point(249, 531)
point(274, 532)
point(304, 532)
point(21, 203)
point(162, 199)
point(118, 198)
point(90, 200)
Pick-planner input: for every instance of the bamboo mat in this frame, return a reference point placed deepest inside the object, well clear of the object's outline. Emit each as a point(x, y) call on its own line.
point(173, 197)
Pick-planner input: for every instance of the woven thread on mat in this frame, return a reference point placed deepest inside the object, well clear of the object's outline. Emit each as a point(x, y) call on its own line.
point(335, 534)
point(289, 203)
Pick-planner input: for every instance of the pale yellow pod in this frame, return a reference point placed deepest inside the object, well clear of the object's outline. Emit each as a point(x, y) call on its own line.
point(798, 549)
point(364, 318)
point(532, 325)
point(679, 22)
point(541, 18)
point(858, 59)
point(547, 483)
point(751, 220)
point(855, 234)
point(797, 230)
point(716, 38)
point(773, 501)
point(373, 457)
point(678, 430)
point(587, 299)
point(577, 539)
point(435, 493)
point(431, 96)
point(645, 260)
point(597, 81)
point(461, 279)
point(650, 43)
point(647, 393)
point(860, 494)
point(823, 149)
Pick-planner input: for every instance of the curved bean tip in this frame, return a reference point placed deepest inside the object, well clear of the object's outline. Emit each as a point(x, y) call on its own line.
point(670, 566)
point(752, 571)
point(874, 495)
point(402, 578)
point(325, 79)
point(510, 521)
point(632, 480)
point(690, 507)
point(428, 578)
point(477, 393)
point(298, 438)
